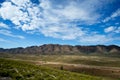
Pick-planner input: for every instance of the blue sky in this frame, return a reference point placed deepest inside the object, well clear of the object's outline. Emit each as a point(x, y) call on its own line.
point(75, 22)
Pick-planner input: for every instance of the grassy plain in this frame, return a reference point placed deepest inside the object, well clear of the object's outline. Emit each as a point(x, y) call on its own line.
point(20, 70)
point(107, 68)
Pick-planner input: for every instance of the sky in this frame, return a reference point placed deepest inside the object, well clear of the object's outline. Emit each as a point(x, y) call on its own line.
point(74, 22)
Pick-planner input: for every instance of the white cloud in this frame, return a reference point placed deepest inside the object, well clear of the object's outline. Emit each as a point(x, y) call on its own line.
point(8, 11)
point(114, 29)
point(65, 33)
point(11, 12)
point(19, 16)
point(31, 19)
point(3, 25)
point(106, 19)
point(45, 4)
point(70, 12)
point(114, 14)
point(109, 29)
point(53, 20)
point(3, 40)
point(73, 12)
point(20, 2)
point(9, 33)
point(96, 39)
point(117, 30)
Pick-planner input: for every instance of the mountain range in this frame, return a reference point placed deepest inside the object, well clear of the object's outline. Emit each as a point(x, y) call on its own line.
point(64, 49)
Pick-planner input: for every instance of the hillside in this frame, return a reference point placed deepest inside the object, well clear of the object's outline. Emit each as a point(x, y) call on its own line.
point(20, 70)
point(64, 49)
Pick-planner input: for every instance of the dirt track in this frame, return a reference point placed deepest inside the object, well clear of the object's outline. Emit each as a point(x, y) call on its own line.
point(78, 65)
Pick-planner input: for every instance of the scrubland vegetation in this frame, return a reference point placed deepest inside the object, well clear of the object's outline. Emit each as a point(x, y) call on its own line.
point(20, 70)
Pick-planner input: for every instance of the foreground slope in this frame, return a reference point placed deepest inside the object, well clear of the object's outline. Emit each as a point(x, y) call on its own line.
point(19, 70)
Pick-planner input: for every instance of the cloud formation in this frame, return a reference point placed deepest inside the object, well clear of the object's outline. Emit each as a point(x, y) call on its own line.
point(2, 25)
point(54, 20)
point(96, 39)
point(9, 33)
point(3, 40)
point(112, 29)
point(114, 15)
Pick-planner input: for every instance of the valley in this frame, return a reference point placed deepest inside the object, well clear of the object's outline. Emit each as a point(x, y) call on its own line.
point(104, 67)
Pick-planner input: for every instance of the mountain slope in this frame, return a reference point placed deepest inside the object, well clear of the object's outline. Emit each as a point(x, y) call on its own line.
point(64, 49)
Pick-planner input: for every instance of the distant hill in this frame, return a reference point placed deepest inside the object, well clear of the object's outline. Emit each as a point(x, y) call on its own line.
point(64, 49)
